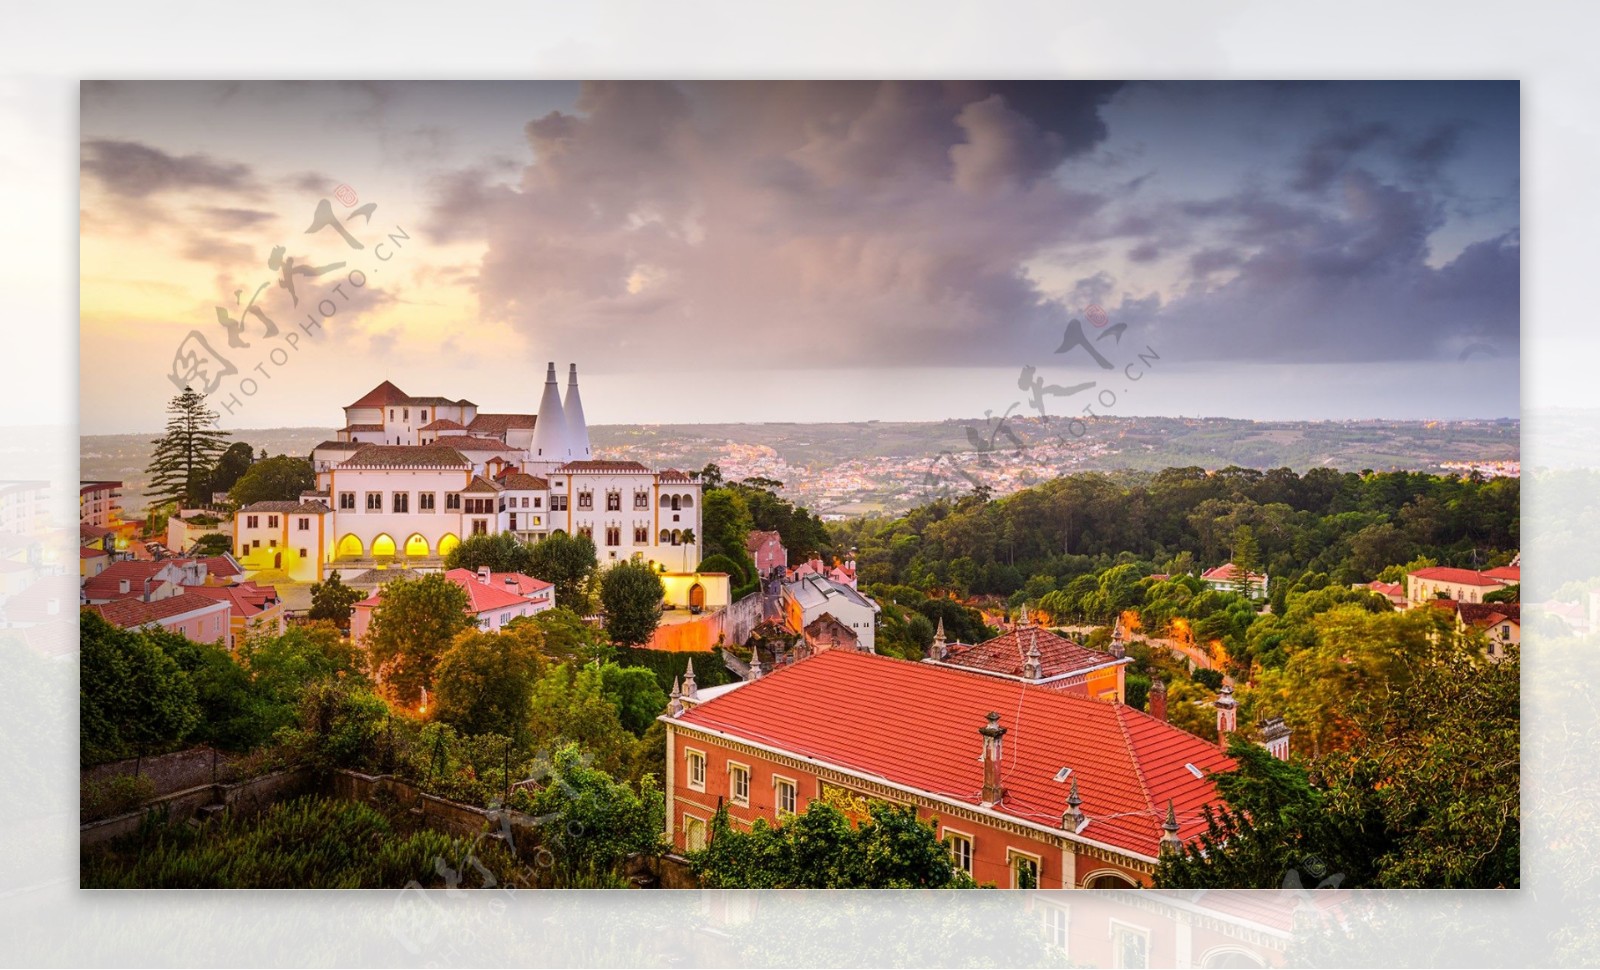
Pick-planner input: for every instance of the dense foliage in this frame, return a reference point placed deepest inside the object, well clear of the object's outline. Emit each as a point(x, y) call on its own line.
point(279, 479)
point(410, 631)
point(631, 595)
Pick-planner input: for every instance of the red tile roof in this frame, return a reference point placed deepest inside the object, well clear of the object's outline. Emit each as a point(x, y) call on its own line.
point(915, 726)
point(1511, 574)
point(133, 613)
point(673, 475)
point(406, 456)
point(443, 424)
point(497, 593)
point(1006, 654)
point(382, 395)
point(1490, 614)
point(522, 481)
point(91, 552)
point(498, 424)
point(1463, 577)
point(464, 442)
point(756, 539)
point(1227, 572)
point(106, 585)
point(245, 599)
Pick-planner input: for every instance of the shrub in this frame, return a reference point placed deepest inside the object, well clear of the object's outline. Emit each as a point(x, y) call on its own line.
point(113, 796)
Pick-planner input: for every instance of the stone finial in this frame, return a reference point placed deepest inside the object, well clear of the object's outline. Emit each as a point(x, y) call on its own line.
point(1169, 830)
point(690, 692)
point(1074, 814)
point(937, 650)
point(1033, 669)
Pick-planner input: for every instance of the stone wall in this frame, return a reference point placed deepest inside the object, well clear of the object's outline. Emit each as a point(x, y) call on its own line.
point(169, 773)
point(740, 618)
point(246, 797)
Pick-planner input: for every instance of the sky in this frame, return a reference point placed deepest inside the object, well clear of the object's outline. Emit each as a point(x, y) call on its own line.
point(820, 251)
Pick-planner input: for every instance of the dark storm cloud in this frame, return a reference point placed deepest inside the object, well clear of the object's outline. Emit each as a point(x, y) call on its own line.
point(135, 171)
point(872, 224)
point(888, 221)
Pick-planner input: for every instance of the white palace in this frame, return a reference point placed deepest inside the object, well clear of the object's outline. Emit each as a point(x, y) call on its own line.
point(408, 477)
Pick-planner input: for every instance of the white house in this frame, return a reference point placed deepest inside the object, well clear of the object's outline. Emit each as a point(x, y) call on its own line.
point(810, 596)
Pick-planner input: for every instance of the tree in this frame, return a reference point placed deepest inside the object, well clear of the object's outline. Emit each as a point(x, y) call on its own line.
point(411, 628)
point(212, 544)
point(1246, 560)
point(333, 601)
point(571, 706)
point(820, 849)
point(631, 593)
point(280, 479)
point(226, 698)
point(133, 699)
point(231, 467)
point(595, 822)
point(180, 467)
point(502, 552)
point(635, 693)
point(283, 668)
point(567, 637)
point(485, 681)
point(567, 562)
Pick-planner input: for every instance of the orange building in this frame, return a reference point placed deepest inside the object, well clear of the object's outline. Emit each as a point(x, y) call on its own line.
point(1030, 786)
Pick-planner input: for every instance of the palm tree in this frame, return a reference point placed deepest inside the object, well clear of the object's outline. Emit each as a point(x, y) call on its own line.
point(688, 540)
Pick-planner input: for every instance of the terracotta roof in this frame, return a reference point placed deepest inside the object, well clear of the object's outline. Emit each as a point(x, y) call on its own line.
point(522, 481)
point(915, 726)
point(382, 395)
point(219, 566)
point(1511, 574)
point(306, 508)
point(134, 613)
point(498, 424)
point(362, 427)
point(602, 466)
point(481, 484)
point(828, 626)
point(1227, 572)
point(673, 475)
point(403, 456)
point(520, 586)
point(755, 540)
point(462, 442)
point(92, 532)
point(1463, 577)
point(1490, 614)
point(105, 586)
point(91, 552)
point(437, 402)
point(245, 599)
point(443, 424)
point(1007, 653)
point(96, 486)
point(338, 446)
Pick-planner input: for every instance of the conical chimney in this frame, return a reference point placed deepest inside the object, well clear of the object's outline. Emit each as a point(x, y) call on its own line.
point(550, 430)
point(577, 427)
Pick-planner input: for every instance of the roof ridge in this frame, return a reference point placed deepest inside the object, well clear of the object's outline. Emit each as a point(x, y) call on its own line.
point(1133, 756)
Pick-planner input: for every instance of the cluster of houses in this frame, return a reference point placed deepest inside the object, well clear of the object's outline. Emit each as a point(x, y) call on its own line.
point(1464, 593)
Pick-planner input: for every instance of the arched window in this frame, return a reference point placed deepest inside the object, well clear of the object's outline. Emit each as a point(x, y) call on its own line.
point(417, 546)
point(666, 536)
point(677, 537)
point(688, 501)
point(350, 547)
point(383, 545)
point(675, 505)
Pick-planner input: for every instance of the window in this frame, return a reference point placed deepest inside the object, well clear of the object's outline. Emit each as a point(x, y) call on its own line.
point(688, 501)
point(666, 536)
point(641, 500)
point(423, 415)
point(1130, 946)
point(480, 527)
point(424, 501)
point(613, 535)
point(524, 501)
point(739, 784)
point(697, 770)
point(347, 501)
point(402, 502)
point(513, 522)
point(675, 501)
point(1505, 632)
point(305, 524)
point(1056, 922)
point(586, 499)
point(613, 501)
point(505, 618)
point(391, 414)
point(452, 502)
point(786, 793)
point(558, 503)
point(302, 553)
point(960, 849)
point(587, 531)
point(405, 414)
point(538, 501)
point(641, 535)
point(272, 521)
point(252, 521)
point(1024, 870)
point(694, 833)
point(374, 501)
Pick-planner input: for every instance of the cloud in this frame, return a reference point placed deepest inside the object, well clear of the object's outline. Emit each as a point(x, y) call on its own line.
point(783, 224)
point(133, 170)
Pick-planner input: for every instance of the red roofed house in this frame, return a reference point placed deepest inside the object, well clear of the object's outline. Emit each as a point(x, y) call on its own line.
point(766, 548)
point(252, 610)
point(493, 599)
point(826, 632)
point(1396, 592)
point(1037, 657)
point(843, 573)
point(1501, 623)
point(1462, 585)
point(1226, 577)
point(200, 618)
point(1030, 786)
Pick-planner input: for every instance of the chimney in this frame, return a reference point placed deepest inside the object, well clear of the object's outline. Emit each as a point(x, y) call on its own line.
point(993, 737)
point(1227, 715)
point(484, 575)
point(123, 587)
point(1158, 699)
point(1073, 817)
point(936, 650)
point(1275, 737)
point(1033, 669)
point(1169, 831)
point(147, 589)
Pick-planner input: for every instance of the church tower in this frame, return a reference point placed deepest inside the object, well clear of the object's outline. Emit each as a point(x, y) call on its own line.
point(549, 447)
point(577, 427)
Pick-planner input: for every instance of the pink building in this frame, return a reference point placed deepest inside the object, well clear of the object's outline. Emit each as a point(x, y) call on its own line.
point(766, 548)
point(200, 618)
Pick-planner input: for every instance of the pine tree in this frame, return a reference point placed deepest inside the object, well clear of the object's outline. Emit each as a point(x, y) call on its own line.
point(1246, 559)
point(180, 468)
